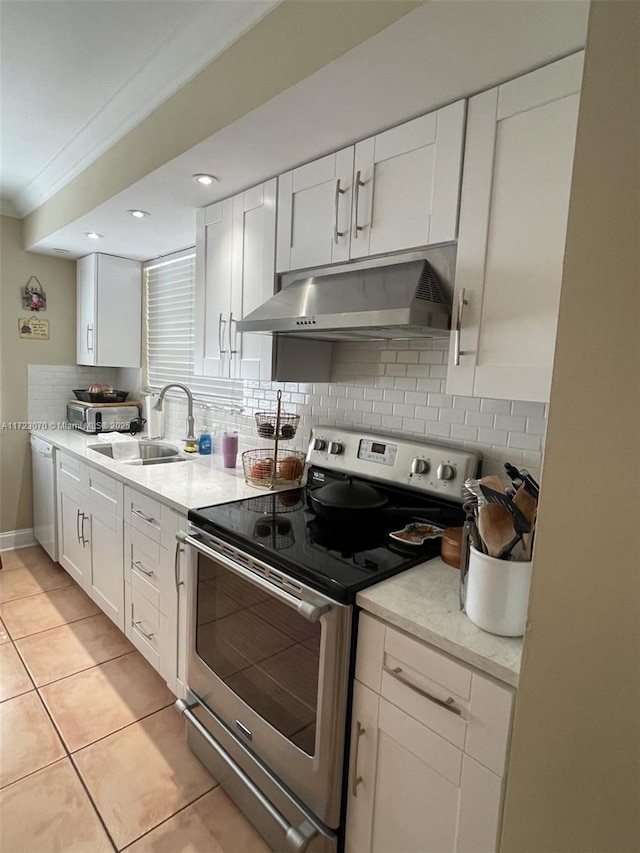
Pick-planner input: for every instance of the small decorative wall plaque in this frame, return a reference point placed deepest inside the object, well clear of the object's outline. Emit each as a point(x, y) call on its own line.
point(33, 296)
point(33, 328)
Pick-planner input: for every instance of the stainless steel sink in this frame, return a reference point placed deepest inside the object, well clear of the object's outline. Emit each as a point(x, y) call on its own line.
point(151, 452)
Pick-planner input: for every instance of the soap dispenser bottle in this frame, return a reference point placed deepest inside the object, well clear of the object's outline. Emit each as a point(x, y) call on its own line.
point(205, 445)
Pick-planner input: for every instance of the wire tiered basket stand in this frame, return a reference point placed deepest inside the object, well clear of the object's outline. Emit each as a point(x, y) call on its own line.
point(271, 467)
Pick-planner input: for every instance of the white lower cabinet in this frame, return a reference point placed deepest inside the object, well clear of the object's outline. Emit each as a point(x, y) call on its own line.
point(428, 749)
point(151, 575)
point(90, 532)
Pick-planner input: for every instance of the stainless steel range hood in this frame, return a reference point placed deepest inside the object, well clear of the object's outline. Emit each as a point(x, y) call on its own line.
point(395, 296)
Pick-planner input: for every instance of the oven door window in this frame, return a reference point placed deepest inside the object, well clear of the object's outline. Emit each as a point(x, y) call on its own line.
point(262, 649)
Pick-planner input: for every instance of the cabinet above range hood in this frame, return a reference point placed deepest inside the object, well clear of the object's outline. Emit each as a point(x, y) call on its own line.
point(395, 296)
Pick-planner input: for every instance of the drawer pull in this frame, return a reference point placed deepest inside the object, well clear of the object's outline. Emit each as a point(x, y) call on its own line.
point(144, 634)
point(355, 779)
point(447, 704)
point(138, 565)
point(141, 515)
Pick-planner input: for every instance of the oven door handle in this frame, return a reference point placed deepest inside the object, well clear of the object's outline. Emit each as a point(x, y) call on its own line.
point(298, 837)
point(311, 611)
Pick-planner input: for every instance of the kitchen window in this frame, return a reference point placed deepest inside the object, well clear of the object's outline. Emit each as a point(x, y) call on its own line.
point(169, 331)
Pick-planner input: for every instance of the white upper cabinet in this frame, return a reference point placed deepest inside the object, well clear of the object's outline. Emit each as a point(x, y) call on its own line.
point(396, 190)
point(109, 311)
point(314, 212)
point(235, 259)
point(513, 217)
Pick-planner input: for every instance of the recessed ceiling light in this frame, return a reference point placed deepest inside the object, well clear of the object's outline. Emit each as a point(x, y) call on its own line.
point(202, 178)
point(93, 235)
point(138, 214)
point(61, 251)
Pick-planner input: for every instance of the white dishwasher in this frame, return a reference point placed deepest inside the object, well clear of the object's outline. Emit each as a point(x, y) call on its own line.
point(43, 466)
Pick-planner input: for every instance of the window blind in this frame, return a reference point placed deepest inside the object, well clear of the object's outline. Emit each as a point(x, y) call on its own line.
point(170, 332)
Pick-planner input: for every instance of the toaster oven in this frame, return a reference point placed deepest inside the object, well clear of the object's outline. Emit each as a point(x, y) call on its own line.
point(94, 418)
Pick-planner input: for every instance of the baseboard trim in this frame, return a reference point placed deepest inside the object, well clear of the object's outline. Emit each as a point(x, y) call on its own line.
point(15, 539)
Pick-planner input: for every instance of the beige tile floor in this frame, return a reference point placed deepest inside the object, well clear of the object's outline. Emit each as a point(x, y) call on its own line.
point(92, 752)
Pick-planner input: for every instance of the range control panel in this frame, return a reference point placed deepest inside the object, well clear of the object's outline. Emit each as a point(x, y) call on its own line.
point(426, 467)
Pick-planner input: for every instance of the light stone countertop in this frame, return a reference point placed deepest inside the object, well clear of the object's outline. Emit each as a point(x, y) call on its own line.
point(199, 481)
point(424, 602)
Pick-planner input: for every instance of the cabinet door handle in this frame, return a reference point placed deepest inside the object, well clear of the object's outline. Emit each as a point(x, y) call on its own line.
point(85, 542)
point(337, 233)
point(144, 634)
point(232, 351)
point(176, 565)
point(221, 322)
point(140, 514)
point(138, 565)
point(89, 329)
point(78, 525)
point(356, 227)
point(456, 332)
point(447, 704)
point(355, 779)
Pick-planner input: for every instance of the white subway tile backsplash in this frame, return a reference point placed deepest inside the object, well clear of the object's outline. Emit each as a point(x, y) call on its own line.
point(438, 429)
point(408, 357)
point(442, 401)
point(494, 437)
point(428, 385)
point(406, 384)
point(415, 398)
point(536, 426)
point(463, 433)
point(431, 357)
point(469, 404)
point(524, 442)
point(534, 410)
point(373, 394)
point(427, 413)
point(480, 419)
point(496, 407)
point(451, 416)
point(438, 371)
point(395, 370)
point(365, 391)
point(510, 423)
point(391, 422)
point(404, 411)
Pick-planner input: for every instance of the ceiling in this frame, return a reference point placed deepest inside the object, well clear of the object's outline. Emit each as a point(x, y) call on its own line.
point(438, 53)
point(77, 75)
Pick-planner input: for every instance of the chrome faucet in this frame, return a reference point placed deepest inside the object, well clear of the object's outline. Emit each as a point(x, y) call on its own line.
point(190, 439)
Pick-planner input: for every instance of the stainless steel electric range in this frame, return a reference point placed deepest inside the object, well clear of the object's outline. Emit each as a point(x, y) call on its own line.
point(272, 582)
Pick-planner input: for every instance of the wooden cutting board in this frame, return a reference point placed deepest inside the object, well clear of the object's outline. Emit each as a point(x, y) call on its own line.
point(105, 405)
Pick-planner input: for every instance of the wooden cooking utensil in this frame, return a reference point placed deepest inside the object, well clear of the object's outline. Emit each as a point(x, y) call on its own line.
point(495, 524)
point(494, 482)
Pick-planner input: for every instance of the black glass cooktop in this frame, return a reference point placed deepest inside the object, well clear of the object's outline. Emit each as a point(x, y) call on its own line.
point(339, 556)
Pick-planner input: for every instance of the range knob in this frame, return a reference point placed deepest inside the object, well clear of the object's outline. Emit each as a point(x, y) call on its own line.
point(335, 448)
point(419, 466)
point(319, 444)
point(445, 472)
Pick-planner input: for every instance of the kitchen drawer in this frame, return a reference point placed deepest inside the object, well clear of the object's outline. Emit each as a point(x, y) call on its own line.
point(469, 710)
point(143, 625)
point(143, 556)
point(143, 513)
point(70, 471)
point(106, 494)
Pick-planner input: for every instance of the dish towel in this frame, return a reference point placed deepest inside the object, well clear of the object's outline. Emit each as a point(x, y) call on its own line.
point(124, 447)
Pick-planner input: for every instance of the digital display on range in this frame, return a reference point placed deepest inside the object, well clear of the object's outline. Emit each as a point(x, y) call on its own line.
point(377, 451)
